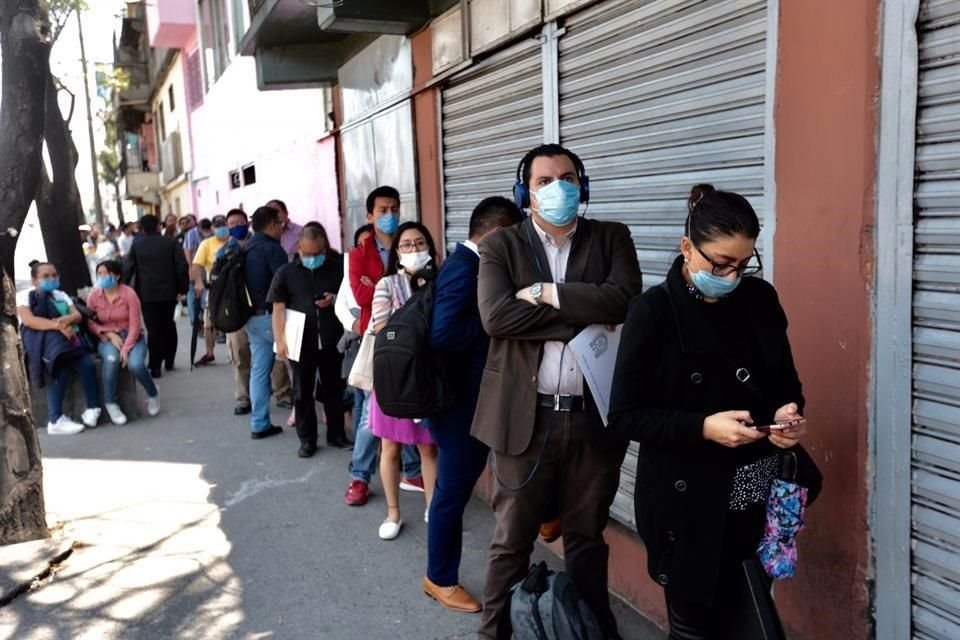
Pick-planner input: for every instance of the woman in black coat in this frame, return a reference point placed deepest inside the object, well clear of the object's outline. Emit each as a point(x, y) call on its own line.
point(704, 358)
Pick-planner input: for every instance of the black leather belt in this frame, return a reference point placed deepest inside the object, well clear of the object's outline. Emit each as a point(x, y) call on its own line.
point(560, 403)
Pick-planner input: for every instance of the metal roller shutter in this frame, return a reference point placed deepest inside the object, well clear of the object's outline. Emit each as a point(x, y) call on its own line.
point(935, 563)
point(656, 96)
point(492, 115)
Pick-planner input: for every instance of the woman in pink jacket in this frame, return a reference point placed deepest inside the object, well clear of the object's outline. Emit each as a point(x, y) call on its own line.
point(119, 327)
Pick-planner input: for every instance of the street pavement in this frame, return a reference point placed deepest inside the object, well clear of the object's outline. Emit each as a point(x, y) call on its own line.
point(184, 527)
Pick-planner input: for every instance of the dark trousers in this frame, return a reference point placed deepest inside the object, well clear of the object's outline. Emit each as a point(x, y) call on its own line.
point(326, 363)
point(730, 616)
point(161, 333)
point(583, 476)
point(460, 461)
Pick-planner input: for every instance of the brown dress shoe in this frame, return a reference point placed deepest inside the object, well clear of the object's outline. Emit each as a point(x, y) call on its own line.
point(454, 598)
point(550, 531)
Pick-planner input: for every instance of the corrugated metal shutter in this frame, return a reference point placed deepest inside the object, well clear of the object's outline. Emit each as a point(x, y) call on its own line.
point(492, 115)
point(936, 329)
point(656, 97)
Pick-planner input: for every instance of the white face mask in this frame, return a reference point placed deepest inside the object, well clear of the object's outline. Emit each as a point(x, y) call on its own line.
point(413, 262)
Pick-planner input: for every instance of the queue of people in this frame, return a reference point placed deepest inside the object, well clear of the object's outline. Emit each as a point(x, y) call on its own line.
point(704, 377)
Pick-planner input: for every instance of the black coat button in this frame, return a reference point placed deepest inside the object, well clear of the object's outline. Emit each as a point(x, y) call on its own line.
point(680, 485)
point(671, 536)
point(696, 377)
point(663, 579)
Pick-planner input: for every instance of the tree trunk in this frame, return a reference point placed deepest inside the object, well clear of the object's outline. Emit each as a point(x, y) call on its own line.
point(25, 47)
point(58, 203)
point(22, 512)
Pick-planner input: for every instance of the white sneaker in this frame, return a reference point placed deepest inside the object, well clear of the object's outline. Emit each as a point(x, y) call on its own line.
point(64, 426)
point(389, 530)
point(90, 417)
point(115, 413)
point(153, 405)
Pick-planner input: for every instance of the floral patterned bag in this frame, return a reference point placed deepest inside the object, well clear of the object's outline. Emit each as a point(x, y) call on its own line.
point(788, 499)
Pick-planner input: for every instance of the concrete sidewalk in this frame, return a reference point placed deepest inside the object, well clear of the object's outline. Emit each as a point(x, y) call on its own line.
point(187, 528)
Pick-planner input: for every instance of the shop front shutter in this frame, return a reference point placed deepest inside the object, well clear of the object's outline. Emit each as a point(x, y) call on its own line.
point(656, 96)
point(935, 468)
point(492, 115)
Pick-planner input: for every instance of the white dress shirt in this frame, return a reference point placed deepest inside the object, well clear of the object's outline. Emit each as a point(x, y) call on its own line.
point(345, 307)
point(472, 246)
point(559, 372)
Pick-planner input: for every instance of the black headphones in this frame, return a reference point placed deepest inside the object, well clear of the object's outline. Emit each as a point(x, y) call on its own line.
point(521, 192)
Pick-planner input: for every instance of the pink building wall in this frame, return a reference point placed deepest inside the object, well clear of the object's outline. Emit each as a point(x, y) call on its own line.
point(170, 23)
point(281, 133)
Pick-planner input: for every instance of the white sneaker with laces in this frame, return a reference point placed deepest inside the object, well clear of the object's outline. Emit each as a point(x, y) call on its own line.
point(389, 530)
point(90, 417)
point(64, 426)
point(153, 405)
point(116, 414)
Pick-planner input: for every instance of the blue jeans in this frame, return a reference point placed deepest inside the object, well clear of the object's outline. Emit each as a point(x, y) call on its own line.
point(357, 409)
point(260, 334)
point(57, 384)
point(366, 446)
point(136, 364)
point(460, 461)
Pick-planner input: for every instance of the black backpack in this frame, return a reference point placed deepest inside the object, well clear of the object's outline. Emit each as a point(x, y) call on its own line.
point(408, 377)
point(547, 606)
point(229, 301)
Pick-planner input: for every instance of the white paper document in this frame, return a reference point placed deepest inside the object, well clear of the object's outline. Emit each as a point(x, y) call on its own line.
point(596, 351)
point(293, 325)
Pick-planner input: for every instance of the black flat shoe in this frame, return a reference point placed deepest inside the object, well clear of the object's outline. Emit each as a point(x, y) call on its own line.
point(285, 404)
point(242, 410)
point(340, 443)
point(155, 373)
point(307, 450)
point(266, 433)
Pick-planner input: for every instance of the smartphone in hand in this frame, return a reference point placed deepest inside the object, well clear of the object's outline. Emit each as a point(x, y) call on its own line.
point(780, 425)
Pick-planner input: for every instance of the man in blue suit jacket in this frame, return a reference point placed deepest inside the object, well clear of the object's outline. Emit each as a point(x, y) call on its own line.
point(458, 336)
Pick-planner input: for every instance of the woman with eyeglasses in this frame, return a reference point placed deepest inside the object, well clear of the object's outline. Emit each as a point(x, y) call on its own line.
point(704, 369)
point(411, 260)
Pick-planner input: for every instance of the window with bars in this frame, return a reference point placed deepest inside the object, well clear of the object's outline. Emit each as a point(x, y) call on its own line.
point(193, 81)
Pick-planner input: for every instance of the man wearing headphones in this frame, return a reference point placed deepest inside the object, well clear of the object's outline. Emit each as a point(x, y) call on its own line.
point(540, 283)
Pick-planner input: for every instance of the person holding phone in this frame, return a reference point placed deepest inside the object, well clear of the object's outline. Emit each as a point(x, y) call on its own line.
point(306, 285)
point(704, 359)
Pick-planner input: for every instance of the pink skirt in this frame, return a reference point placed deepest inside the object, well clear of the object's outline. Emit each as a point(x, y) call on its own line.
point(402, 430)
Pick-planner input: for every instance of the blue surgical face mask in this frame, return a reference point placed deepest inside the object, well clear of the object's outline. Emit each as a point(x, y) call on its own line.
point(222, 233)
point(107, 282)
point(240, 232)
point(712, 286)
point(50, 285)
point(388, 223)
point(558, 202)
point(313, 262)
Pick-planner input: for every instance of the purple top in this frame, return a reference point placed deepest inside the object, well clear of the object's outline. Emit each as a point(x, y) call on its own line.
point(290, 237)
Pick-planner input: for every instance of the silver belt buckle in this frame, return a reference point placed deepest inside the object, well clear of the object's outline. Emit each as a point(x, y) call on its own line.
point(556, 402)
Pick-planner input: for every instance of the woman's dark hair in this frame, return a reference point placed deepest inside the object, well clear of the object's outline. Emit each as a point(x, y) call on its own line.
point(112, 266)
point(394, 258)
point(367, 228)
point(712, 214)
point(35, 267)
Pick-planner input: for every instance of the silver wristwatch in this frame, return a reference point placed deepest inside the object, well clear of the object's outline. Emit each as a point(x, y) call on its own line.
point(536, 292)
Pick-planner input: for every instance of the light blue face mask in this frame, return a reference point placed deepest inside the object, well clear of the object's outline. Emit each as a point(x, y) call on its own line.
point(107, 282)
point(50, 285)
point(712, 286)
point(558, 202)
point(222, 233)
point(388, 223)
point(313, 262)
